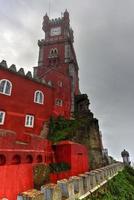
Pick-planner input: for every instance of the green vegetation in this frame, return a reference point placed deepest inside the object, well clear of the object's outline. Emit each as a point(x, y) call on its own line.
point(59, 167)
point(61, 129)
point(121, 187)
point(41, 175)
point(42, 172)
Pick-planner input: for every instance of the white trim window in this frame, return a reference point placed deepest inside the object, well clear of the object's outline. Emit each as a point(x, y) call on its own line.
point(59, 102)
point(60, 83)
point(2, 117)
point(29, 121)
point(39, 97)
point(5, 87)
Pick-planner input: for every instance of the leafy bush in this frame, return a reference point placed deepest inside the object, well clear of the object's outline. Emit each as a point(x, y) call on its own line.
point(59, 167)
point(41, 175)
point(61, 129)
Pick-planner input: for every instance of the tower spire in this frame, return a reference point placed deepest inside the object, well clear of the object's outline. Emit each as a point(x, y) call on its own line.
point(49, 12)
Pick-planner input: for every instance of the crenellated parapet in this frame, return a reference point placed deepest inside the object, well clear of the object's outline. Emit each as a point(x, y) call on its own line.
point(58, 27)
point(21, 72)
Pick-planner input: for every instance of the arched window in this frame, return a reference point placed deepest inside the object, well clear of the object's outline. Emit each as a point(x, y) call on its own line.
point(53, 53)
point(16, 159)
point(59, 102)
point(5, 87)
point(2, 159)
point(39, 159)
point(29, 159)
point(38, 97)
point(2, 117)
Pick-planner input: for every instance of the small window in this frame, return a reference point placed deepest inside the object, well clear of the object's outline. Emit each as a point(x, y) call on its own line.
point(59, 102)
point(60, 83)
point(53, 53)
point(49, 83)
point(2, 117)
point(29, 121)
point(39, 97)
point(5, 87)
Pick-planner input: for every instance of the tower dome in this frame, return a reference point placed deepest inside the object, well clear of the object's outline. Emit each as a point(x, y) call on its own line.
point(124, 153)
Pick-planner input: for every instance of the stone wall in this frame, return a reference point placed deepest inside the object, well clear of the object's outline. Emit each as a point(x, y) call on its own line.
point(88, 132)
point(77, 187)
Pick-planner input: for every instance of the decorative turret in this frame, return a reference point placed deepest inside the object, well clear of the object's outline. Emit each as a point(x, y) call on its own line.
point(125, 156)
point(59, 28)
point(66, 18)
point(45, 22)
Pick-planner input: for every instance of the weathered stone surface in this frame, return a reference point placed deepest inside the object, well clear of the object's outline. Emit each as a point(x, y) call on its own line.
point(31, 195)
point(3, 63)
point(78, 186)
point(88, 132)
point(51, 192)
point(21, 71)
point(29, 74)
point(12, 68)
point(67, 188)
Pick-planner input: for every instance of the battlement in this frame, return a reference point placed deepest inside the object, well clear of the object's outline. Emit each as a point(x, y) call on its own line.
point(56, 20)
point(21, 72)
point(64, 19)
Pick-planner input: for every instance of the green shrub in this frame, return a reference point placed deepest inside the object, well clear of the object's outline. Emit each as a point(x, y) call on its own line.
point(121, 187)
point(41, 175)
point(61, 128)
point(59, 167)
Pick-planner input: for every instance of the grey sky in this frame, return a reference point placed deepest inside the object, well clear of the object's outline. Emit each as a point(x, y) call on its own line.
point(104, 44)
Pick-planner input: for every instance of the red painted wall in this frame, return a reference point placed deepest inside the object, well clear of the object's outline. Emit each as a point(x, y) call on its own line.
point(63, 92)
point(74, 154)
point(21, 102)
point(15, 179)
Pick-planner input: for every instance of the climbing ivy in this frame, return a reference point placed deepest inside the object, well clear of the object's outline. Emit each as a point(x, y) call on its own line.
point(59, 167)
point(62, 129)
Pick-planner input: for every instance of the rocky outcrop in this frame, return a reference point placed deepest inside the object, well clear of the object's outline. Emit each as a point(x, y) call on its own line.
point(88, 132)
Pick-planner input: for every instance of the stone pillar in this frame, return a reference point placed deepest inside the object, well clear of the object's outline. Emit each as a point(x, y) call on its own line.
point(107, 172)
point(89, 181)
point(19, 197)
point(104, 173)
point(97, 176)
point(101, 175)
point(85, 181)
point(51, 192)
point(67, 188)
point(31, 195)
point(92, 180)
point(41, 53)
point(78, 185)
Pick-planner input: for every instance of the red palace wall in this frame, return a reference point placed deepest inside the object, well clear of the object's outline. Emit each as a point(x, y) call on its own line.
point(15, 179)
point(60, 58)
point(60, 92)
point(22, 147)
point(21, 102)
point(74, 154)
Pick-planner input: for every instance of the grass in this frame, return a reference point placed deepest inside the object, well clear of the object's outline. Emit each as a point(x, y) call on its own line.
point(121, 187)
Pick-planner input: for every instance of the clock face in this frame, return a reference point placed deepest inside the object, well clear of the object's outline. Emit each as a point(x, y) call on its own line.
point(55, 31)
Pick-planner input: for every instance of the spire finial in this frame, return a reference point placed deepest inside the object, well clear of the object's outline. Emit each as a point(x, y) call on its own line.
point(49, 7)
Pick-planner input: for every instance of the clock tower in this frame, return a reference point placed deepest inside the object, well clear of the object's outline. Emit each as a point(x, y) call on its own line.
point(57, 63)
